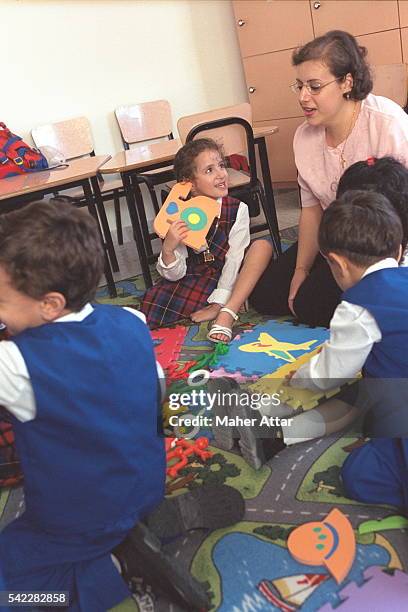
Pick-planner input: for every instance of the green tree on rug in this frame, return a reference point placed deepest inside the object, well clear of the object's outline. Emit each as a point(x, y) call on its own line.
point(273, 532)
point(214, 471)
point(330, 481)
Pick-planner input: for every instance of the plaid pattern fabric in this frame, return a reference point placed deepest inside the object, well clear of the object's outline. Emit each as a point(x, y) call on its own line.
point(169, 301)
point(10, 471)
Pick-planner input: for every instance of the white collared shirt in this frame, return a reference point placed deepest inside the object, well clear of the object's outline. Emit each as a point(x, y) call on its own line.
point(238, 240)
point(353, 332)
point(16, 391)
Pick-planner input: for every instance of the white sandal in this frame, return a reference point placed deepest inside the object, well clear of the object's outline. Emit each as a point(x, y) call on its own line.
point(221, 329)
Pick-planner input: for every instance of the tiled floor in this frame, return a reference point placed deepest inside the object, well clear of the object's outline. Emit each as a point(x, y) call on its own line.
point(287, 207)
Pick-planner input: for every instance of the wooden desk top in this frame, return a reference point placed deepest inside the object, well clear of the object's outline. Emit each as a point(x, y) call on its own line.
point(158, 152)
point(141, 156)
point(78, 169)
point(265, 130)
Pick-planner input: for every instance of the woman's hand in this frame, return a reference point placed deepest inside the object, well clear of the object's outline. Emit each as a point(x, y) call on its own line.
point(298, 278)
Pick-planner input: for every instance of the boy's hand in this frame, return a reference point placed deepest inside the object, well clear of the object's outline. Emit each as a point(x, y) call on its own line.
point(177, 233)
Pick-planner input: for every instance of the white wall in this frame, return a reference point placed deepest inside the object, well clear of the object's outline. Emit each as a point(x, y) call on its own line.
point(85, 57)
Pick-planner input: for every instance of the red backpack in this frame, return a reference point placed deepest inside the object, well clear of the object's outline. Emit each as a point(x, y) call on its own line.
point(16, 157)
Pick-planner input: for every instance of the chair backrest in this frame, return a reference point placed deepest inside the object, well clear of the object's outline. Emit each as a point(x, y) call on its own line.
point(145, 121)
point(72, 137)
point(186, 124)
point(391, 81)
point(236, 137)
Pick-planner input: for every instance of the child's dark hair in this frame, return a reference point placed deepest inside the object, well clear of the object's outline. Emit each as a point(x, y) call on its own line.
point(362, 226)
point(386, 176)
point(184, 162)
point(52, 246)
point(341, 53)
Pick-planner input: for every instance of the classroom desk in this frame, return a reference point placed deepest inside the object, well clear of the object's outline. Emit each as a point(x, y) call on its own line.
point(147, 157)
point(79, 173)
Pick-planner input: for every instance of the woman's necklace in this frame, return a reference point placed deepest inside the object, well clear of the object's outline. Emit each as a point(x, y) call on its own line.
point(343, 160)
point(350, 129)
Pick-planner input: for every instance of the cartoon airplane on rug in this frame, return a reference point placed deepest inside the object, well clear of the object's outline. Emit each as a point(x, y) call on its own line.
point(275, 348)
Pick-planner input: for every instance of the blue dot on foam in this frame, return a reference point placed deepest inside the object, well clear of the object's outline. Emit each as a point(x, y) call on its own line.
point(172, 208)
point(317, 529)
point(319, 546)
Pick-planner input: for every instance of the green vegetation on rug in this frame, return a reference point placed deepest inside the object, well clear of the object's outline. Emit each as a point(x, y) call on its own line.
point(222, 468)
point(322, 481)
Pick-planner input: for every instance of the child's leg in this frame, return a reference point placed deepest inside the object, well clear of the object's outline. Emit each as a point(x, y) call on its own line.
point(141, 555)
point(80, 564)
point(260, 443)
point(378, 472)
point(329, 418)
point(255, 263)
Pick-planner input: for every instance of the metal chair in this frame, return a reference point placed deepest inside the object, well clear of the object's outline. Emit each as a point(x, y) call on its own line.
point(73, 139)
point(236, 137)
point(147, 121)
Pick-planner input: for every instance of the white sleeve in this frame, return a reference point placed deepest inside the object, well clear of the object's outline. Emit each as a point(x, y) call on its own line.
point(353, 332)
point(177, 268)
point(238, 240)
point(160, 372)
point(16, 391)
point(399, 141)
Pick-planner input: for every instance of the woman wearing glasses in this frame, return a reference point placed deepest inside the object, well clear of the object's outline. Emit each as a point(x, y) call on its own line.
point(344, 123)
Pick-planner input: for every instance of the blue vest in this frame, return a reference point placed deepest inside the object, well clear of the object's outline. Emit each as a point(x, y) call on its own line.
point(385, 295)
point(384, 389)
point(92, 457)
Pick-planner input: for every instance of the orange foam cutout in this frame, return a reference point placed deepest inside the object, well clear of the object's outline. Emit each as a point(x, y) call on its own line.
point(330, 542)
point(198, 212)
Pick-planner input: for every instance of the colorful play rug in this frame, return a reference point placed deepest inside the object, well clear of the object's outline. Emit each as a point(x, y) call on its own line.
point(247, 567)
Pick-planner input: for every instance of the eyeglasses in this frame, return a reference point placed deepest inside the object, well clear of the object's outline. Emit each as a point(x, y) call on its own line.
point(313, 87)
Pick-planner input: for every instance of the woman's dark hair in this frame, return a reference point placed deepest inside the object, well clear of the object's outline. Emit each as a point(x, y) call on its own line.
point(362, 226)
point(386, 176)
point(184, 162)
point(52, 246)
point(341, 53)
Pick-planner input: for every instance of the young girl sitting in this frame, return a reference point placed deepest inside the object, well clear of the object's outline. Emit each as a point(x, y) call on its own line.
point(198, 284)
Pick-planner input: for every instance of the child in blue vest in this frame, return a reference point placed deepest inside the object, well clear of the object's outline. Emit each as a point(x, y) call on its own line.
point(85, 421)
point(81, 386)
point(360, 236)
point(196, 284)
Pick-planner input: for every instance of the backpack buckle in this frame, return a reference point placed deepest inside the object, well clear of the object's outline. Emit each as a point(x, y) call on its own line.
point(19, 161)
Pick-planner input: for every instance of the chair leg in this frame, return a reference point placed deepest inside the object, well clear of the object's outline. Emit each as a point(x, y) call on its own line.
point(153, 196)
point(103, 221)
point(118, 217)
